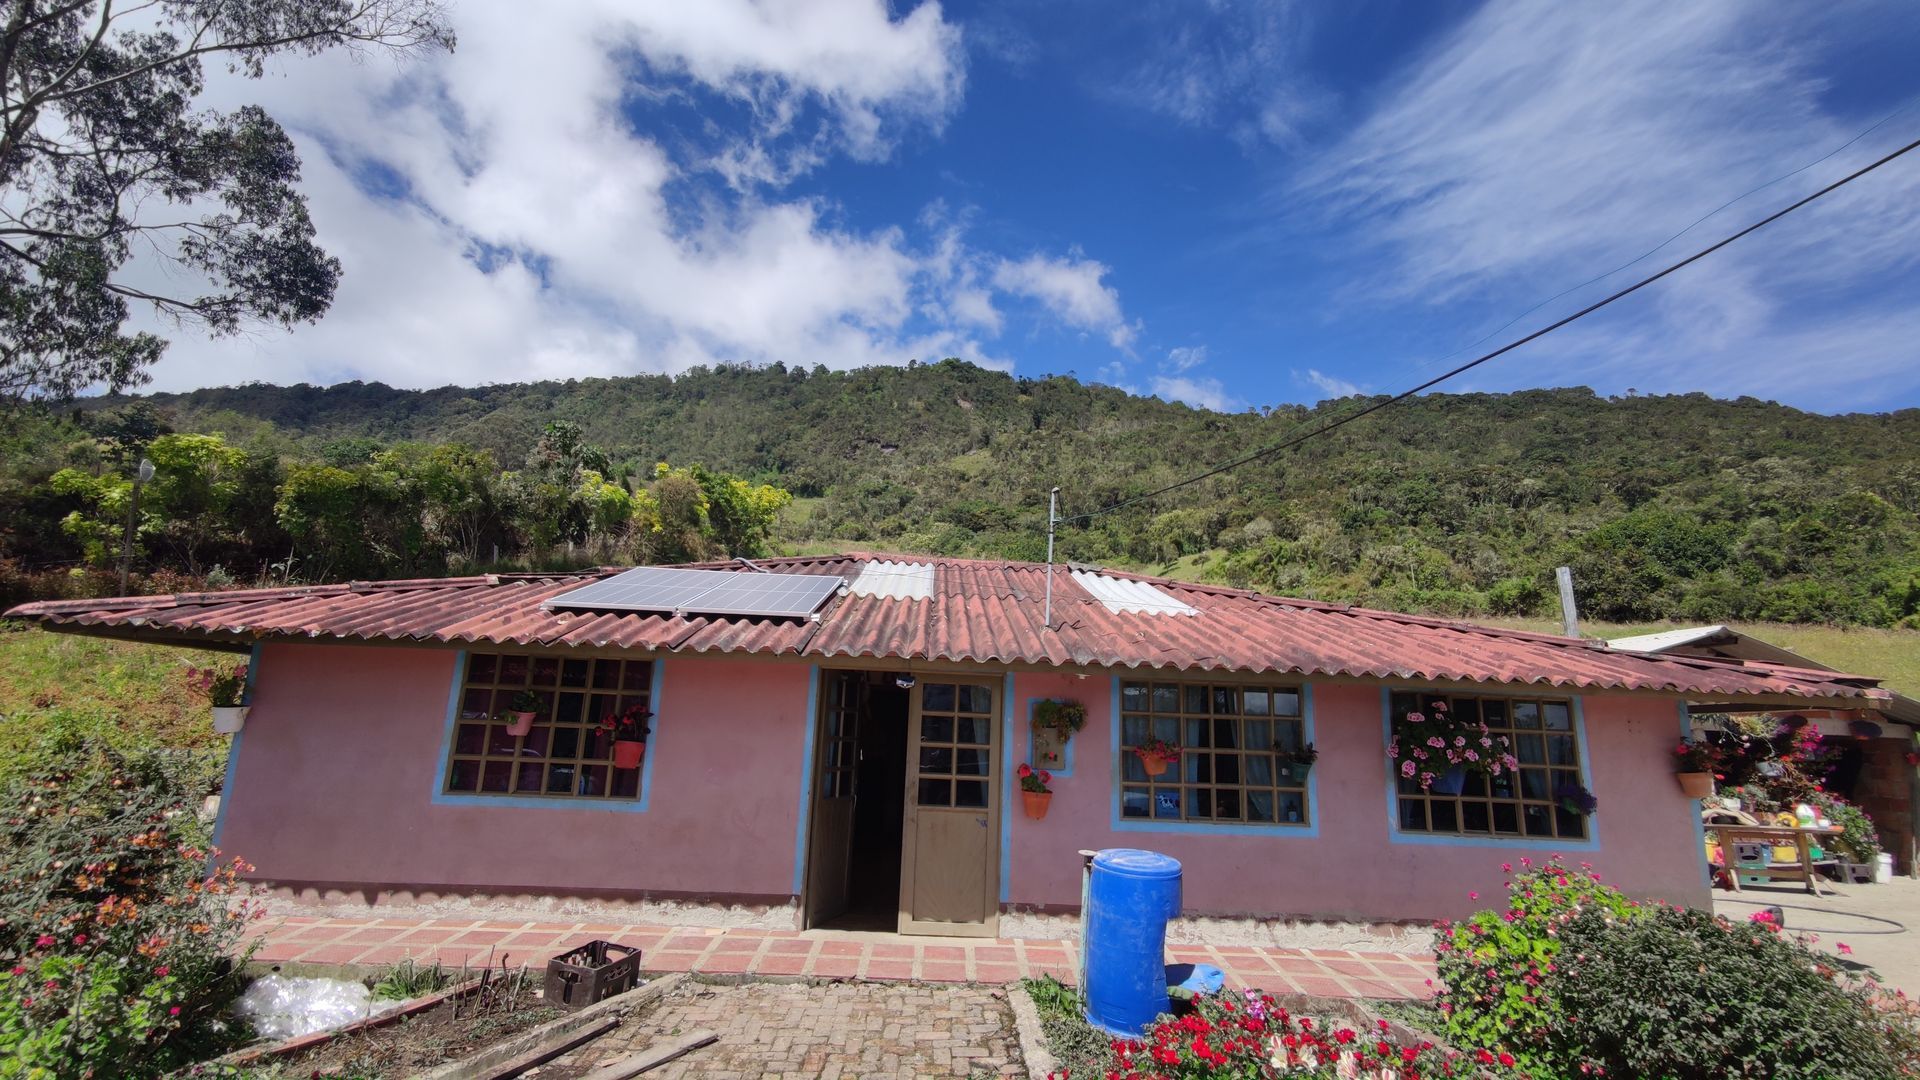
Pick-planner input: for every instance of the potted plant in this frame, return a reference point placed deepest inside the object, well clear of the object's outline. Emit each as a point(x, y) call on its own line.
point(1156, 754)
point(1437, 749)
point(1063, 716)
point(1574, 798)
point(227, 691)
point(1034, 790)
point(629, 730)
point(1694, 766)
point(526, 705)
point(1296, 763)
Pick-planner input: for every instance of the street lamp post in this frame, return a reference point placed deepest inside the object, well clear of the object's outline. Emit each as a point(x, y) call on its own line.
point(140, 476)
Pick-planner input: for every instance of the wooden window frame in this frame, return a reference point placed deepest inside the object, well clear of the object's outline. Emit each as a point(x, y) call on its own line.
point(479, 748)
point(1531, 791)
point(1184, 779)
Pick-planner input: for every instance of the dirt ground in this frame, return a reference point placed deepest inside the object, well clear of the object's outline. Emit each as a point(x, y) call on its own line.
point(776, 1031)
point(1880, 924)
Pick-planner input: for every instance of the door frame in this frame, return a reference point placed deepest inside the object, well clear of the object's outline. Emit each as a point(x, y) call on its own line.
point(817, 762)
point(999, 683)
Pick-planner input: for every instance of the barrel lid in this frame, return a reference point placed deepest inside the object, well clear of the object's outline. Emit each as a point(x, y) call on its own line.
point(1135, 862)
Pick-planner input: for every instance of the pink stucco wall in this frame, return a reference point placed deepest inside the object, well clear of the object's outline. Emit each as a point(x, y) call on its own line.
point(342, 754)
point(1353, 869)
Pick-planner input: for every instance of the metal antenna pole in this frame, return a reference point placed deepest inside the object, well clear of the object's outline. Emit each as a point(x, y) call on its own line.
point(1053, 517)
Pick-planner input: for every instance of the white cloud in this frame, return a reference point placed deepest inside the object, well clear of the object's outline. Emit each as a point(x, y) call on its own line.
point(1537, 145)
point(1201, 393)
point(1074, 289)
point(1236, 66)
point(1185, 358)
point(512, 210)
point(1330, 385)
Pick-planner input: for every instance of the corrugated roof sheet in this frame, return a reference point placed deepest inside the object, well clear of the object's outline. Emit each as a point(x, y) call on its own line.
point(975, 610)
point(895, 580)
point(1129, 596)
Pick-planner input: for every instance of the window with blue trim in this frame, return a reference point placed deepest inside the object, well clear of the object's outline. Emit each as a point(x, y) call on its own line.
point(1530, 801)
point(1230, 753)
point(565, 752)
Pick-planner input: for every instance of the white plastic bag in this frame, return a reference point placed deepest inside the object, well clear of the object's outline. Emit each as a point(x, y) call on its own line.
point(284, 1007)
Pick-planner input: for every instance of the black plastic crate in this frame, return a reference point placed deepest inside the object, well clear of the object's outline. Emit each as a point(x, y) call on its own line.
point(593, 972)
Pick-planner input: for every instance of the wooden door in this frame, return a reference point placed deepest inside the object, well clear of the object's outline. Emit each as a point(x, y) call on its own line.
point(950, 848)
point(835, 756)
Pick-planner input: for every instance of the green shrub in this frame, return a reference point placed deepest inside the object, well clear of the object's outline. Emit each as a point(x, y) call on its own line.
point(119, 940)
point(1496, 964)
point(1686, 995)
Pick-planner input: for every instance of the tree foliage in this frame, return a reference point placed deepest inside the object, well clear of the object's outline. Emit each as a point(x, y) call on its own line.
point(104, 154)
point(1665, 507)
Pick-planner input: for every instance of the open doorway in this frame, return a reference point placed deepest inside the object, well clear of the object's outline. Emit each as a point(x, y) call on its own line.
point(854, 847)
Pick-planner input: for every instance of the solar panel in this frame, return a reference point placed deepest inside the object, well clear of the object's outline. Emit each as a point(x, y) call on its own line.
point(705, 592)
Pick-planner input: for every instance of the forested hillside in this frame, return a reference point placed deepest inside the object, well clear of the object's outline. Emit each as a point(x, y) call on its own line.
point(1666, 507)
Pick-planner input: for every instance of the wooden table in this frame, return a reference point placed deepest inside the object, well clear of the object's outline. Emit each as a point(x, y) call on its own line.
point(1801, 839)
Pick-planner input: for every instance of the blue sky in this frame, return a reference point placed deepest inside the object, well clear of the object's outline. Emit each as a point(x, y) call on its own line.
point(1229, 204)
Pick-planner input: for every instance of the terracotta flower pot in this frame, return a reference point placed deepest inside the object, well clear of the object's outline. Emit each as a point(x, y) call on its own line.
point(627, 753)
point(1037, 803)
point(229, 719)
point(521, 723)
point(1695, 785)
point(1155, 764)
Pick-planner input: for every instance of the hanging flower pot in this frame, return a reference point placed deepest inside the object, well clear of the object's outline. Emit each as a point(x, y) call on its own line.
point(627, 753)
point(519, 723)
point(226, 692)
point(526, 705)
point(1037, 803)
point(1034, 791)
point(1695, 785)
point(1451, 781)
point(1156, 754)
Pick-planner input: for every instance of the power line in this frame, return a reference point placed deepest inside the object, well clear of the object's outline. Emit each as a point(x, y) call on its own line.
point(1429, 364)
point(1502, 350)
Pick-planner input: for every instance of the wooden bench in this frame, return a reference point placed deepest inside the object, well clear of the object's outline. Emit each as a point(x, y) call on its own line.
point(1772, 836)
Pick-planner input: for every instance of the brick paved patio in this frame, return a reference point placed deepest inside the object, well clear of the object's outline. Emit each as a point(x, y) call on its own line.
point(774, 1030)
point(378, 940)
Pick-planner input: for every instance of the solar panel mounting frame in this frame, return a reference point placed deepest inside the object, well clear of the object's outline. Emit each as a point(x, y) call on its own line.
point(681, 591)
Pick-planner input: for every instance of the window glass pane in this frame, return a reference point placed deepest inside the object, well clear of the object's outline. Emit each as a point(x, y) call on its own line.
point(1259, 769)
point(1560, 749)
point(528, 776)
point(1133, 697)
point(1538, 821)
point(566, 742)
point(936, 793)
point(499, 743)
point(1167, 729)
point(1558, 717)
point(464, 776)
point(1446, 816)
point(1166, 699)
point(1259, 806)
point(1133, 730)
point(1286, 703)
point(1413, 814)
point(574, 672)
point(1226, 733)
point(970, 762)
point(1226, 804)
point(936, 759)
point(560, 779)
point(1198, 732)
point(1195, 700)
point(637, 675)
point(1506, 817)
point(1132, 768)
point(1166, 803)
point(1199, 767)
point(606, 674)
point(1292, 809)
point(1134, 802)
point(1493, 712)
point(1526, 714)
point(1533, 783)
point(937, 697)
point(546, 671)
point(1200, 802)
point(1475, 817)
point(570, 709)
point(593, 780)
point(1530, 750)
point(970, 793)
point(1226, 768)
point(496, 776)
point(1255, 702)
point(1572, 826)
point(976, 699)
point(974, 729)
point(470, 739)
point(1226, 701)
point(1260, 734)
point(513, 670)
point(476, 704)
point(937, 729)
point(481, 668)
point(626, 783)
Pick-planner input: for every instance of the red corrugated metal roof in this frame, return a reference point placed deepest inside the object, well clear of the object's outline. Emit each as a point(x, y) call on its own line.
point(981, 611)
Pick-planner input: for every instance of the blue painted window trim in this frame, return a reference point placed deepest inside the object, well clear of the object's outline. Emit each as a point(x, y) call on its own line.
point(1008, 785)
point(441, 797)
point(233, 754)
point(804, 819)
point(1066, 769)
point(1536, 843)
point(1277, 831)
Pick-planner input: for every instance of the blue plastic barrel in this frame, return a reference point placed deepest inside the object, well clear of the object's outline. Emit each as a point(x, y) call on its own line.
point(1130, 897)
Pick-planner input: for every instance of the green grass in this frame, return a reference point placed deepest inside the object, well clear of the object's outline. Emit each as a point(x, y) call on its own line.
point(57, 687)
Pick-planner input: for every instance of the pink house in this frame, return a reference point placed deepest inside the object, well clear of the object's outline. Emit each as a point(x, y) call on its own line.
point(838, 737)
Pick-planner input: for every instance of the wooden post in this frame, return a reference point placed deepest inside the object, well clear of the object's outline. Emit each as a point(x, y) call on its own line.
point(1569, 614)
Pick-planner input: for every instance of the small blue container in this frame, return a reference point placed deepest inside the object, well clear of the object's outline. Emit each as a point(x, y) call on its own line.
point(1130, 897)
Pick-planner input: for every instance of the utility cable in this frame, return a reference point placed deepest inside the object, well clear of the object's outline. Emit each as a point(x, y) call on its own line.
point(1374, 407)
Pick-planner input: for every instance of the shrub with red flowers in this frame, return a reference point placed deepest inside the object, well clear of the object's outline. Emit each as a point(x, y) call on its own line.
point(120, 933)
point(1250, 1035)
point(1497, 964)
point(1427, 743)
point(628, 725)
point(1695, 756)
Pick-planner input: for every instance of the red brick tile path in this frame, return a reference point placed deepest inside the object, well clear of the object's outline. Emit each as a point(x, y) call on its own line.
point(382, 940)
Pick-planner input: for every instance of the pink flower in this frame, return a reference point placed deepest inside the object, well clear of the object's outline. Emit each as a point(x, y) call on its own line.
point(1473, 896)
point(175, 1011)
point(160, 972)
point(1406, 768)
point(44, 941)
point(79, 939)
point(1845, 949)
point(19, 970)
point(1506, 868)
